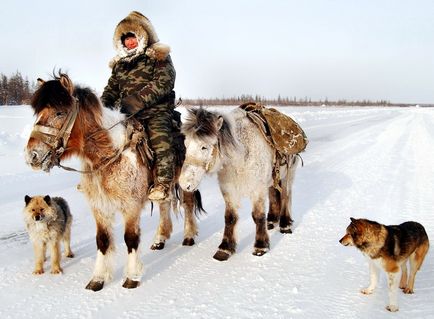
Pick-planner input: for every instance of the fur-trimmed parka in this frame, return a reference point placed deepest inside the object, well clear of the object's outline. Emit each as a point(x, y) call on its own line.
point(145, 74)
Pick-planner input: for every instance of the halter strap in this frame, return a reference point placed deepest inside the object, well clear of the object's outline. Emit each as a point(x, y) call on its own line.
point(206, 166)
point(56, 139)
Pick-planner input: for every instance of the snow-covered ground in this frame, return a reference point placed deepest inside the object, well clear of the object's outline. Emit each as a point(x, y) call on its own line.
point(362, 162)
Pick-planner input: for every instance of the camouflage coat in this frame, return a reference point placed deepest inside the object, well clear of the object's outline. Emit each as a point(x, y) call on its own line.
point(145, 77)
point(152, 79)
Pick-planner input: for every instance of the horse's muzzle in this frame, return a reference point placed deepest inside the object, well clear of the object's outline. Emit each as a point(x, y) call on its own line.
point(39, 161)
point(190, 177)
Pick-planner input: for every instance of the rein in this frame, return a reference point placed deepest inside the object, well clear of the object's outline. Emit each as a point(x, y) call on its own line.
point(57, 139)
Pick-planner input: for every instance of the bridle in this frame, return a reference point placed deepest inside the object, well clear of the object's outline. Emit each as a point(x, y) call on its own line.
point(56, 139)
point(207, 166)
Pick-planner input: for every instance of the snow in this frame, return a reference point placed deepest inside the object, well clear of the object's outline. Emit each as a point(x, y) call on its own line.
point(361, 162)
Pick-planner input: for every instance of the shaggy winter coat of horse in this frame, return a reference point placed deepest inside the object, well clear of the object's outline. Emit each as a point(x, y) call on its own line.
point(233, 147)
point(71, 121)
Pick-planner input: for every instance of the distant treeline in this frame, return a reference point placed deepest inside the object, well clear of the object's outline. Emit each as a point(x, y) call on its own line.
point(284, 101)
point(15, 90)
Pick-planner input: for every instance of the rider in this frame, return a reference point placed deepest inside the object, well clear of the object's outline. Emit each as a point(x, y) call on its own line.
point(143, 78)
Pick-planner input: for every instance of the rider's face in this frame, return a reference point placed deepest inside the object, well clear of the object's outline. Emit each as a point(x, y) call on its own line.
point(130, 42)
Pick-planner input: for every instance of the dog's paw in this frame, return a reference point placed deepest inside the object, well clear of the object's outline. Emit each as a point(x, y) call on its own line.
point(56, 271)
point(38, 271)
point(367, 291)
point(408, 291)
point(392, 308)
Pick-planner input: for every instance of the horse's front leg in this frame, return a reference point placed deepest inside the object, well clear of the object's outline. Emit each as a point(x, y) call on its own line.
point(134, 268)
point(164, 228)
point(190, 227)
point(103, 270)
point(228, 244)
point(262, 241)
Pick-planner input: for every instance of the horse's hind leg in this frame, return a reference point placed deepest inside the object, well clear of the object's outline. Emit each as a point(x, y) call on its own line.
point(190, 227)
point(104, 241)
point(134, 268)
point(228, 244)
point(262, 241)
point(274, 207)
point(285, 221)
point(164, 228)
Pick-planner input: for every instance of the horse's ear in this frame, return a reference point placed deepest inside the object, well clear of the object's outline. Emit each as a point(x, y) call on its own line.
point(353, 219)
point(40, 81)
point(219, 123)
point(66, 83)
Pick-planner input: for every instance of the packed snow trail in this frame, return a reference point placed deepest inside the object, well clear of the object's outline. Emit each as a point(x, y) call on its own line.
point(361, 162)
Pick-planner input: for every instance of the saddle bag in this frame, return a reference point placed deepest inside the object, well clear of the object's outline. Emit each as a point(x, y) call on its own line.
point(281, 131)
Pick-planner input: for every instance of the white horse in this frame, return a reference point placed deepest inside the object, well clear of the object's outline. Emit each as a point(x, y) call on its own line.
point(233, 146)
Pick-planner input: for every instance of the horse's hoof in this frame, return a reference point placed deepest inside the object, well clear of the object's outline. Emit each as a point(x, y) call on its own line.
point(95, 285)
point(221, 255)
point(260, 251)
point(188, 242)
point(130, 284)
point(270, 226)
point(157, 246)
point(286, 230)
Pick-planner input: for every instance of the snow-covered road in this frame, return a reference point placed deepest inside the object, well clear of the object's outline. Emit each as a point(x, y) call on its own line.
point(361, 162)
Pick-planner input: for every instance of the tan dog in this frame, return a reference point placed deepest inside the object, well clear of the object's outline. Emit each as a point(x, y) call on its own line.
point(48, 221)
point(389, 248)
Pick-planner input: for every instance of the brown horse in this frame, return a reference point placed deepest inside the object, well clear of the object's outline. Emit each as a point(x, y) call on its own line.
point(71, 122)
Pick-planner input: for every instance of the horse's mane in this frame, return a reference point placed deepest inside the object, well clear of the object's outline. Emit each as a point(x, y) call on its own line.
point(53, 93)
point(201, 124)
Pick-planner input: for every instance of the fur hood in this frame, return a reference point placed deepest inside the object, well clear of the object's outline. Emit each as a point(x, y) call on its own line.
point(147, 38)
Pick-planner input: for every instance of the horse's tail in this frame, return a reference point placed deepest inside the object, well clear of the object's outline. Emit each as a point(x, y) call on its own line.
point(198, 208)
point(196, 201)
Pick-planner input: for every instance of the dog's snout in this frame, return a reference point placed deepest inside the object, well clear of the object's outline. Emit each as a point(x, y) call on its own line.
point(37, 217)
point(342, 242)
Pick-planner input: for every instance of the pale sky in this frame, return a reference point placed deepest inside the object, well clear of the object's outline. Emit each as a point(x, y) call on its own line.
point(352, 49)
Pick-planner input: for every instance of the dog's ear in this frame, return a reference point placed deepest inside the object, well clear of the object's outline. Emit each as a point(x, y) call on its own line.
point(353, 219)
point(47, 199)
point(27, 199)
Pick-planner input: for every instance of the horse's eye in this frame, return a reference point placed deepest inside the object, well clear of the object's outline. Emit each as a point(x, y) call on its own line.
point(60, 114)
